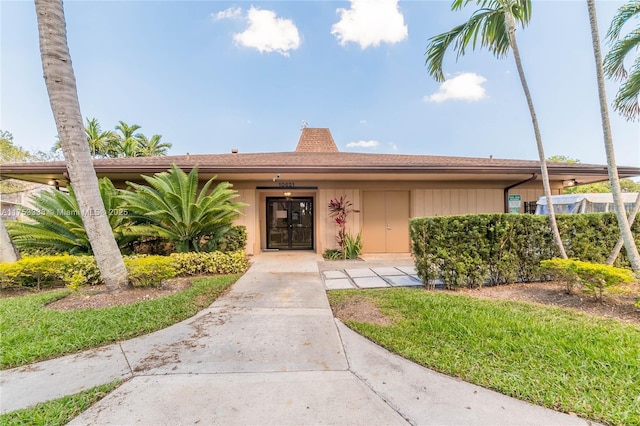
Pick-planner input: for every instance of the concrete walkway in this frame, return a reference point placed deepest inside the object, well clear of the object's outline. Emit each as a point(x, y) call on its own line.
point(268, 352)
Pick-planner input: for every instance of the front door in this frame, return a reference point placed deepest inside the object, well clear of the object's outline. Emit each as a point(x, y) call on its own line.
point(290, 223)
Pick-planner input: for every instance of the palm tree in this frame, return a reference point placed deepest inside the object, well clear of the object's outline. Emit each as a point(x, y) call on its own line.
point(493, 26)
point(623, 223)
point(63, 96)
point(99, 142)
point(152, 147)
point(616, 249)
point(626, 101)
point(172, 208)
point(126, 141)
point(8, 252)
point(57, 223)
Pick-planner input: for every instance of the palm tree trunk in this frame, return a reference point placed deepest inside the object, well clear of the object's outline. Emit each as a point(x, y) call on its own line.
point(511, 30)
point(623, 223)
point(8, 251)
point(632, 216)
point(63, 96)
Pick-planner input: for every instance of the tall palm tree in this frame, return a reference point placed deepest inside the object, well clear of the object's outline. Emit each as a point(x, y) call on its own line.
point(126, 140)
point(623, 223)
point(8, 252)
point(626, 101)
point(493, 26)
point(63, 96)
point(152, 147)
point(99, 141)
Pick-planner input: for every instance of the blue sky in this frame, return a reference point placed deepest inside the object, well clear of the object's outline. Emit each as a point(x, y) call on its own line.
point(210, 76)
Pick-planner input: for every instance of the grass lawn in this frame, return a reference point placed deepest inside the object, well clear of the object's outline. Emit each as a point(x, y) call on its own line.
point(59, 411)
point(559, 359)
point(30, 332)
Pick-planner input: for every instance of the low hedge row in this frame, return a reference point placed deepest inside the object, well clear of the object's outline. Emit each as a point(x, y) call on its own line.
point(471, 250)
point(144, 271)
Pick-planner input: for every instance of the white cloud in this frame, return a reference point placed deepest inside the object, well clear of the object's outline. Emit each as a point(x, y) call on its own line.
point(393, 146)
point(268, 33)
point(462, 87)
point(363, 144)
point(363, 121)
point(369, 23)
point(232, 12)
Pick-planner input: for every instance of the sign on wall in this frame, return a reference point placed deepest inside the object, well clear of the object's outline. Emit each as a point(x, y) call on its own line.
point(515, 201)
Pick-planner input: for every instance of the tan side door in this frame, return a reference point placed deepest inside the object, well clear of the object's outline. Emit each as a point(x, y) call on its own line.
point(385, 227)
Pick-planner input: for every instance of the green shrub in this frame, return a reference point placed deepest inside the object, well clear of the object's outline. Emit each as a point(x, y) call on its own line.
point(595, 278)
point(144, 271)
point(352, 246)
point(210, 263)
point(471, 250)
point(149, 271)
point(49, 271)
point(332, 254)
point(233, 240)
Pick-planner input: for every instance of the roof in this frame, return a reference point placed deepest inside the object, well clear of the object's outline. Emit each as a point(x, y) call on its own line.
point(317, 157)
point(316, 140)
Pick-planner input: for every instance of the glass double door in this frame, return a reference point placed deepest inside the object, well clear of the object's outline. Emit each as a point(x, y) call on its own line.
point(290, 223)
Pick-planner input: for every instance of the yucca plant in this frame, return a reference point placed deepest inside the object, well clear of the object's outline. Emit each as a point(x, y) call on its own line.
point(56, 222)
point(172, 208)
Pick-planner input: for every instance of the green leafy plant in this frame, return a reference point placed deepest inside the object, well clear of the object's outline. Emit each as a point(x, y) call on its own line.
point(352, 246)
point(210, 263)
point(56, 224)
point(50, 271)
point(332, 254)
point(339, 209)
point(171, 207)
point(149, 271)
point(595, 278)
point(471, 250)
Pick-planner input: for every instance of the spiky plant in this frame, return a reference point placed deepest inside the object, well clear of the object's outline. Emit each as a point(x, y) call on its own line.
point(56, 222)
point(171, 207)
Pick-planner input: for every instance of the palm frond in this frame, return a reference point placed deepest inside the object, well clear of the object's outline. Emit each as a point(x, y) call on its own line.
point(626, 101)
point(614, 61)
point(622, 16)
point(486, 28)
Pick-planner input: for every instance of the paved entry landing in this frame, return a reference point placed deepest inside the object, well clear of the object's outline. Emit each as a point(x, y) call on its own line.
point(374, 277)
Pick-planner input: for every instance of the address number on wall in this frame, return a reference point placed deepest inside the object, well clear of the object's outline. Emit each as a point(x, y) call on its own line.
point(286, 185)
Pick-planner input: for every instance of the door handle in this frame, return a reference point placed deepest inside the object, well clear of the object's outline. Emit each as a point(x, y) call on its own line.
point(388, 226)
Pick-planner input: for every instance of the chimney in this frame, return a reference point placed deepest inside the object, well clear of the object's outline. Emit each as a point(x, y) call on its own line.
point(234, 150)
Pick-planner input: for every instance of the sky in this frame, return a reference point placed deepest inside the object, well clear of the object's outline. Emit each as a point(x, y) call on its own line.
point(211, 76)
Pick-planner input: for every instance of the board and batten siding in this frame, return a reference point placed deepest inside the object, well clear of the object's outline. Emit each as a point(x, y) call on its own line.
point(326, 228)
point(249, 218)
point(447, 202)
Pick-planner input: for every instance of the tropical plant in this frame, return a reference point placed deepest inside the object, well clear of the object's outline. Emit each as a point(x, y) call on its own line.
point(172, 208)
point(352, 246)
point(57, 222)
point(493, 26)
point(126, 142)
point(623, 223)
point(339, 209)
point(100, 141)
point(152, 147)
point(63, 96)
point(626, 101)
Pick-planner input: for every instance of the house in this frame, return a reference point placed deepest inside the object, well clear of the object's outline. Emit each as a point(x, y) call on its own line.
point(288, 192)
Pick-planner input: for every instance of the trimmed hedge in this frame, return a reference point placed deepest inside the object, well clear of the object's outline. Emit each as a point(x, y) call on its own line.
point(144, 271)
point(471, 250)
